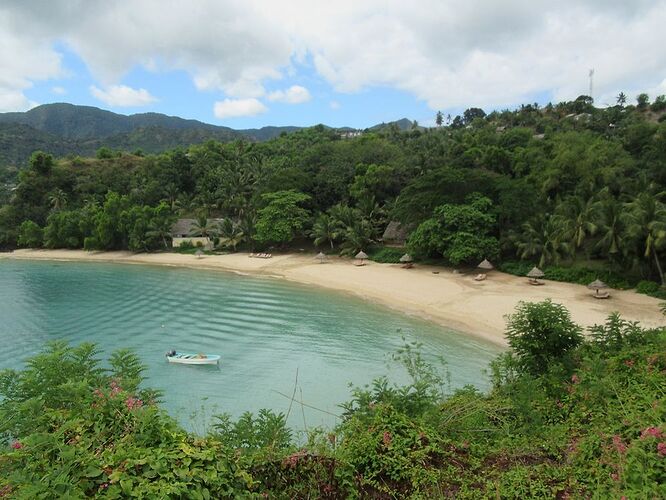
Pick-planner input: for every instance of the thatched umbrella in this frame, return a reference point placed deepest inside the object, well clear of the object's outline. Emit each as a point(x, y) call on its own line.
point(485, 265)
point(361, 257)
point(406, 261)
point(199, 254)
point(597, 285)
point(322, 257)
point(535, 274)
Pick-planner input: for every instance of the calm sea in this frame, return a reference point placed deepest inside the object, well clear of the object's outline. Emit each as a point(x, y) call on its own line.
point(272, 335)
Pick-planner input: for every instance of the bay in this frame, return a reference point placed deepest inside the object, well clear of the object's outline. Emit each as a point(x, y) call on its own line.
point(276, 338)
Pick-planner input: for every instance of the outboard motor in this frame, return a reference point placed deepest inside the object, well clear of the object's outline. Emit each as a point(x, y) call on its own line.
point(171, 353)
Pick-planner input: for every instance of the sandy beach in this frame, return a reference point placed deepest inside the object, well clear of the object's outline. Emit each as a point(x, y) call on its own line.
point(450, 299)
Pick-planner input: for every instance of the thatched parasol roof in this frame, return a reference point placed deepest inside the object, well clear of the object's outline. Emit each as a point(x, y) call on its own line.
point(485, 264)
point(361, 255)
point(406, 258)
point(535, 273)
point(597, 285)
point(321, 256)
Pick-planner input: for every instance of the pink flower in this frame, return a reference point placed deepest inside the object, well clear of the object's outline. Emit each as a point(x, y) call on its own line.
point(615, 476)
point(104, 486)
point(133, 403)
point(661, 449)
point(619, 444)
point(651, 432)
point(629, 362)
point(17, 445)
point(98, 393)
point(575, 379)
point(387, 439)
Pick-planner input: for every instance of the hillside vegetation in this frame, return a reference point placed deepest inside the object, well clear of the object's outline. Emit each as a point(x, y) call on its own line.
point(566, 418)
point(569, 187)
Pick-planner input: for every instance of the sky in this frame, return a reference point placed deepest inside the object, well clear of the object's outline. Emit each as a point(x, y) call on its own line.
point(252, 63)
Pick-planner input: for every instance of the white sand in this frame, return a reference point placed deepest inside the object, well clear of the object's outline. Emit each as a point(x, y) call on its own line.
point(452, 300)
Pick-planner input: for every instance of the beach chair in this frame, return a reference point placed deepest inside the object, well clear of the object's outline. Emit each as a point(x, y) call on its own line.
point(602, 295)
point(480, 277)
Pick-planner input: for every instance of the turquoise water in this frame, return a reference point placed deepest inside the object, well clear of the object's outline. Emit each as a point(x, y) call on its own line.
point(266, 331)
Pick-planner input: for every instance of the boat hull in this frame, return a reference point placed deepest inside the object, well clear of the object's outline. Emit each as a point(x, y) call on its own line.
point(191, 359)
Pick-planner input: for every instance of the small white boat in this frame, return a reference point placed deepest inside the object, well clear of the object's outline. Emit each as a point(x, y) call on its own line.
point(192, 359)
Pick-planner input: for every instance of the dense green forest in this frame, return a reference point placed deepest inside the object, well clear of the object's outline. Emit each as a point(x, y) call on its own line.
point(566, 418)
point(569, 187)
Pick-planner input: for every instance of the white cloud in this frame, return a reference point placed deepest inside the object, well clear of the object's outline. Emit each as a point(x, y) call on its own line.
point(122, 96)
point(234, 108)
point(58, 90)
point(293, 95)
point(448, 53)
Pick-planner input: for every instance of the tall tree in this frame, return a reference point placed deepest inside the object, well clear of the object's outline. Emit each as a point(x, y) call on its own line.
point(646, 222)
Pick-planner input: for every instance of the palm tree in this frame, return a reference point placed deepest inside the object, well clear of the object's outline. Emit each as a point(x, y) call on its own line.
point(160, 228)
point(646, 223)
point(611, 227)
point(58, 199)
point(231, 233)
point(356, 237)
point(542, 237)
point(324, 230)
point(578, 218)
point(203, 227)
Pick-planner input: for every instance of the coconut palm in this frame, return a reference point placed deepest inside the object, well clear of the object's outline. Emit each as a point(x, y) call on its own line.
point(578, 217)
point(160, 228)
point(611, 228)
point(356, 237)
point(646, 223)
point(324, 230)
point(542, 238)
point(203, 227)
point(58, 199)
point(230, 233)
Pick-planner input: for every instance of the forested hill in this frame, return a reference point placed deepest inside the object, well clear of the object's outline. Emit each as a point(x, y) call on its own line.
point(62, 129)
point(562, 185)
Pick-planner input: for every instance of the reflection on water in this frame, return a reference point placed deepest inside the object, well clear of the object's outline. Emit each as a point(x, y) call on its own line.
point(266, 331)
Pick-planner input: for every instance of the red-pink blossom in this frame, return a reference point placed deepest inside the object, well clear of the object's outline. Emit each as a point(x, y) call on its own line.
point(17, 445)
point(619, 444)
point(575, 379)
point(387, 438)
point(615, 476)
point(651, 432)
point(629, 362)
point(133, 403)
point(661, 449)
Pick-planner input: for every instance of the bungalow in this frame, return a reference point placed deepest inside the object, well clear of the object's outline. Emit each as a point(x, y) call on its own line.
point(184, 229)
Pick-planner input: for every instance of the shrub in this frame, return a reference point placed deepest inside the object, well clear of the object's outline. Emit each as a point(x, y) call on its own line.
point(30, 235)
point(540, 333)
point(651, 288)
point(386, 255)
point(186, 245)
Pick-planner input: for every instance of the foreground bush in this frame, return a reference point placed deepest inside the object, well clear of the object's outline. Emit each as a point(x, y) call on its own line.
point(592, 427)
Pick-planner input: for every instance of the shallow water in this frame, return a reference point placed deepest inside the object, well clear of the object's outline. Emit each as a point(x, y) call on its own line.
point(266, 330)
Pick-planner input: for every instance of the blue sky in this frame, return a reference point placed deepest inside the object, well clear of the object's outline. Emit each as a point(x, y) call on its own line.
point(251, 63)
point(177, 95)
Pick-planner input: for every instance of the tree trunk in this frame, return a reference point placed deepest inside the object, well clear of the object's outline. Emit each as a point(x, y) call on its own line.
point(661, 273)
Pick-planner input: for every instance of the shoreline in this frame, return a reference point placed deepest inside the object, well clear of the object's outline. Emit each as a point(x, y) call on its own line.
point(449, 299)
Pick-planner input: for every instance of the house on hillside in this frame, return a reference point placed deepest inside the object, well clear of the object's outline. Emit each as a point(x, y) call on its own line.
point(396, 234)
point(185, 229)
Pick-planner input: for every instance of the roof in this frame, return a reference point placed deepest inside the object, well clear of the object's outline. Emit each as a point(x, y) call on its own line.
point(361, 255)
point(182, 228)
point(395, 231)
point(485, 264)
point(535, 273)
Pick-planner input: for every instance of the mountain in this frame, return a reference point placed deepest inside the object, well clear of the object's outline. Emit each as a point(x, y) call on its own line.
point(62, 129)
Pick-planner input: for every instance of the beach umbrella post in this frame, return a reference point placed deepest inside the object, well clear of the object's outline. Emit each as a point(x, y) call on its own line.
point(406, 261)
point(321, 257)
point(199, 254)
